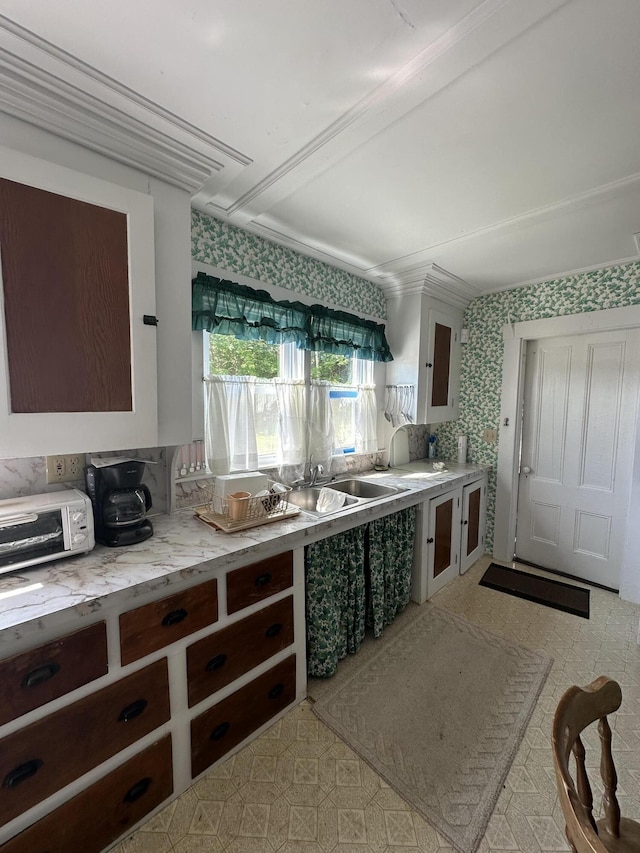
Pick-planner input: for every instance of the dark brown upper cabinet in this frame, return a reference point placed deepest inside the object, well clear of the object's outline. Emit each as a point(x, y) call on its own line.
point(77, 361)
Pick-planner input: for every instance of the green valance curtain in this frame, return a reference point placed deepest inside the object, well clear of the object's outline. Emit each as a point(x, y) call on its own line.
point(226, 308)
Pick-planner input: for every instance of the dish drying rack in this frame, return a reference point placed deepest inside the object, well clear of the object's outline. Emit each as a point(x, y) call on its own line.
point(248, 512)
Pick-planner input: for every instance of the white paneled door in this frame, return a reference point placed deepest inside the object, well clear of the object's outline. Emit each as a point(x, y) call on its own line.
point(577, 452)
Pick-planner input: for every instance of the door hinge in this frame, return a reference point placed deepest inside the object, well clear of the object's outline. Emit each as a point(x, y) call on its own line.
point(149, 320)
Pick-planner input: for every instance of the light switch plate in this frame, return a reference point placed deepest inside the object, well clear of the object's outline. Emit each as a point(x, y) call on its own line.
point(490, 435)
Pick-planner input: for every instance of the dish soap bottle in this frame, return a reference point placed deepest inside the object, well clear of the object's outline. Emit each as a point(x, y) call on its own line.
point(432, 447)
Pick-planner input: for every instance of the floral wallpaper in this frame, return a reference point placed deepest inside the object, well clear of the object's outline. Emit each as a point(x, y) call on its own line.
point(222, 245)
point(481, 377)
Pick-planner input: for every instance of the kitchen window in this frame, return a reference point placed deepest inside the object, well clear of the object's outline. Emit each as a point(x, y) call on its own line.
point(315, 397)
point(248, 376)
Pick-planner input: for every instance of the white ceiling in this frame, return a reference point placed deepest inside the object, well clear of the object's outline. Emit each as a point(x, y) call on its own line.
point(474, 145)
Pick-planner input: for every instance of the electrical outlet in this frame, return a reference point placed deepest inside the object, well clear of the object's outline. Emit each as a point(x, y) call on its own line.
point(64, 468)
point(490, 435)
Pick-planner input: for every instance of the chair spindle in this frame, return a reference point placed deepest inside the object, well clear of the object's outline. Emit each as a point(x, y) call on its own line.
point(582, 781)
point(609, 780)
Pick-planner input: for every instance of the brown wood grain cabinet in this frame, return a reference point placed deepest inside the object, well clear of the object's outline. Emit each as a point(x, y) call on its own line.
point(449, 536)
point(258, 581)
point(38, 676)
point(96, 817)
point(43, 757)
point(220, 658)
point(247, 648)
point(153, 626)
point(228, 723)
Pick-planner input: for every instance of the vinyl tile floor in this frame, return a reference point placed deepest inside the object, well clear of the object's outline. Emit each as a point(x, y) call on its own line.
point(299, 789)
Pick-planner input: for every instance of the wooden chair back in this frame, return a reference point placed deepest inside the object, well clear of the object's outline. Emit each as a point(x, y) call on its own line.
point(579, 708)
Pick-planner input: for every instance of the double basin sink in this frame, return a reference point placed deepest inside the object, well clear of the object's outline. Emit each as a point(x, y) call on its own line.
point(355, 492)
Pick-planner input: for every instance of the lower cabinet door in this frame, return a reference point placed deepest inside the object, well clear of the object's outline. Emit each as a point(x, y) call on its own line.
point(474, 497)
point(443, 540)
point(42, 758)
point(228, 723)
point(103, 812)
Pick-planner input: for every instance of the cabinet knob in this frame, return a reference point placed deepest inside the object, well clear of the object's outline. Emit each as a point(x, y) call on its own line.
point(263, 580)
point(276, 691)
point(40, 674)
point(220, 731)
point(138, 790)
point(273, 630)
point(216, 662)
point(428, 364)
point(526, 470)
point(132, 711)
point(22, 773)
point(174, 617)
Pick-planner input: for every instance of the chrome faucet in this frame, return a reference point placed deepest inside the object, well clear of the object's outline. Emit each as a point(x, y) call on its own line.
point(314, 472)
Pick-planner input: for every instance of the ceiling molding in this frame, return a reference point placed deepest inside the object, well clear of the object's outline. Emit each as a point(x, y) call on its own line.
point(620, 262)
point(396, 96)
point(434, 281)
point(46, 86)
point(395, 265)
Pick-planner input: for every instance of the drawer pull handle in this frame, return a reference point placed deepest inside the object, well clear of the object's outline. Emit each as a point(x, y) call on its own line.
point(273, 630)
point(216, 663)
point(263, 580)
point(22, 773)
point(174, 617)
point(276, 691)
point(40, 674)
point(132, 711)
point(220, 731)
point(138, 790)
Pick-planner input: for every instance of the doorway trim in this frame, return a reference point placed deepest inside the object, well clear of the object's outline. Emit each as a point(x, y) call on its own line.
point(515, 336)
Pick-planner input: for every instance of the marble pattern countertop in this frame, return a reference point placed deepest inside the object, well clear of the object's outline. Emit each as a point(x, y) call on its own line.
point(184, 548)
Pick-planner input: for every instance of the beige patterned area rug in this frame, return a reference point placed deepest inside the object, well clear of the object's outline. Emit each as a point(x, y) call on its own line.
point(438, 707)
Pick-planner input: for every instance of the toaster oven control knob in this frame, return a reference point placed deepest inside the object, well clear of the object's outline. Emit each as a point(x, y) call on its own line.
point(77, 516)
point(78, 538)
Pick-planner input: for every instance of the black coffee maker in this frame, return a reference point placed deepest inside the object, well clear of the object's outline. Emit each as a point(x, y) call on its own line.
point(120, 502)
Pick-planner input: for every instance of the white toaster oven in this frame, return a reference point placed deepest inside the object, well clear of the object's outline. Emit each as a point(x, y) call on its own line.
point(39, 528)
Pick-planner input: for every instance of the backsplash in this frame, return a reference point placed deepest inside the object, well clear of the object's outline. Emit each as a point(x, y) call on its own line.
point(223, 245)
point(28, 476)
point(481, 375)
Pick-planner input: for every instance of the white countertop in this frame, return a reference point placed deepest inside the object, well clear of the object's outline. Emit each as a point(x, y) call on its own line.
point(183, 547)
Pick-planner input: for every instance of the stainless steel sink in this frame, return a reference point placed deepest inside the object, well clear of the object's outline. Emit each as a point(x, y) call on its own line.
point(364, 489)
point(307, 500)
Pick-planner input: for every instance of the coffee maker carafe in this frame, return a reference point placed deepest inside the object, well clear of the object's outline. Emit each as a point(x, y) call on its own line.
point(120, 502)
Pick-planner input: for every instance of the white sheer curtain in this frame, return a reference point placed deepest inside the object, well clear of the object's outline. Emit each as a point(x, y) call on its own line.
point(366, 420)
point(292, 419)
point(230, 433)
point(321, 434)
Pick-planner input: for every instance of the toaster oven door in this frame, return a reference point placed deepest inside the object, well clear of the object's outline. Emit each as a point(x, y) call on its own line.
point(30, 537)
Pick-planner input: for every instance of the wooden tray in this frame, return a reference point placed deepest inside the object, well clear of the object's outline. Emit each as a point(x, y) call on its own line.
point(223, 522)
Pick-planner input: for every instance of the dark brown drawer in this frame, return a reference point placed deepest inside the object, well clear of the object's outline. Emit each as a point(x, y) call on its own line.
point(153, 626)
point(219, 659)
point(34, 678)
point(229, 722)
point(258, 581)
point(47, 755)
point(103, 812)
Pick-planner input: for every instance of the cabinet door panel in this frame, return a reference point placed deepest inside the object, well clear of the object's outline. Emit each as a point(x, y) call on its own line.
point(153, 626)
point(219, 659)
point(58, 251)
point(228, 723)
point(258, 581)
point(47, 755)
point(101, 813)
point(77, 362)
point(40, 675)
point(442, 534)
point(474, 497)
point(443, 540)
point(441, 365)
